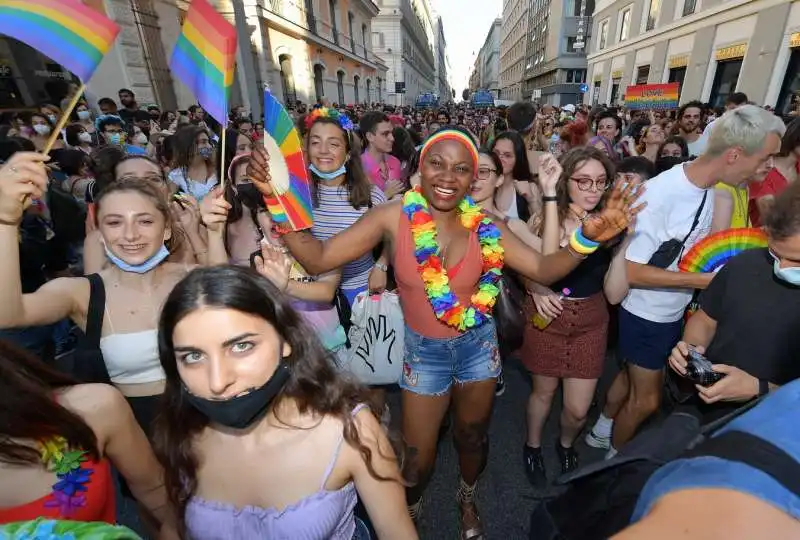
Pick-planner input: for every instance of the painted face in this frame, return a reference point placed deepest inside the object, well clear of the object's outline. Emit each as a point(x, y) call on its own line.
point(447, 172)
point(132, 226)
point(224, 353)
point(327, 147)
point(587, 184)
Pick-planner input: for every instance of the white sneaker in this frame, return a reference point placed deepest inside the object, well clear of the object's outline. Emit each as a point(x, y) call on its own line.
point(596, 441)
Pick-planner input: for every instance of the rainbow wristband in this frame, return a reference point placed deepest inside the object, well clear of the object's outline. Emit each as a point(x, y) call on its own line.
point(276, 210)
point(582, 245)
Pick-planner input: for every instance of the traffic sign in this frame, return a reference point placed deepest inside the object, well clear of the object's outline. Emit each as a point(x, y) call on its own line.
point(584, 88)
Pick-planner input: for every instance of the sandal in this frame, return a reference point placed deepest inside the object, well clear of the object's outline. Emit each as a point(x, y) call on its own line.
point(466, 495)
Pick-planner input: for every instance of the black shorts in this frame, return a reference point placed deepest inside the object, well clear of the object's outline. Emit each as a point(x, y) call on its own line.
point(644, 343)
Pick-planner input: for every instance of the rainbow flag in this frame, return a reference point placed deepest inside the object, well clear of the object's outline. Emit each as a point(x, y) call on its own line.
point(74, 35)
point(652, 96)
point(205, 56)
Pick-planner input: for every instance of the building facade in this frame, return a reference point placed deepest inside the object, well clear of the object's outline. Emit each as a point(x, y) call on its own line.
point(305, 50)
point(710, 47)
point(440, 57)
point(486, 71)
point(555, 64)
point(513, 48)
point(403, 36)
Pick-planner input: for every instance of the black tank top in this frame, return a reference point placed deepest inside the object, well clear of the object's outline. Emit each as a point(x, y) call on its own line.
point(587, 279)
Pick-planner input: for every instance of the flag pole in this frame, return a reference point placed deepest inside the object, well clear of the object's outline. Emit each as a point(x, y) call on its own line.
point(222, 159)
point(62, 122)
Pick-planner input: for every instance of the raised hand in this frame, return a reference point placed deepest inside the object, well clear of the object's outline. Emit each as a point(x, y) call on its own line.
point(617, 215)
point(214, 210)
point(274, 264)
point(22, 179)
point(258, 170)
point(186, 211)
point(549, 174)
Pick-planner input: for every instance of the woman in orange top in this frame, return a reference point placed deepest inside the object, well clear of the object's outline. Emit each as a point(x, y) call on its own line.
point(440, 236)
point(58, 440)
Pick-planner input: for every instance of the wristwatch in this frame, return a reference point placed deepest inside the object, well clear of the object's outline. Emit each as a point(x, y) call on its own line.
point(763, 387)
point(550, 199)
point(382, 267)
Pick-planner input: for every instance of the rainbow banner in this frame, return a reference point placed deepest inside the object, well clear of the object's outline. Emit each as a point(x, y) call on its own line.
point(72, 34)
point(652, 96)
point(205, 56)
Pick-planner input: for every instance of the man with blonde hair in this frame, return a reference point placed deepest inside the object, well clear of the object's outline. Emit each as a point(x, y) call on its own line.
point(678, 214)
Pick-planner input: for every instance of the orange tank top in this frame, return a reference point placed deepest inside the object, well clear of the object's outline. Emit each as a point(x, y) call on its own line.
point(417, 310)
point(93, 501)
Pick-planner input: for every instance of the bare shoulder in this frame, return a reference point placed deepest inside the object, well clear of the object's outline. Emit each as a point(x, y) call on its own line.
point(101, 406)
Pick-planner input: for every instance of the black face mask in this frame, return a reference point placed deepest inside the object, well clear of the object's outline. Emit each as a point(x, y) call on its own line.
point(242, 411)
point(250, 196)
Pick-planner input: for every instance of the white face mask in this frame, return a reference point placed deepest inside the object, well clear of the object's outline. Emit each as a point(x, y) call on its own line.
point(42, 129)
point(84, 137)
point(141, 138)
point(84, 115)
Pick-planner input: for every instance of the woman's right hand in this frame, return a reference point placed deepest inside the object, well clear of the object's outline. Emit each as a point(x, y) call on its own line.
point(258, 170)
point(548, 304)
point(214, 210)
point(22, 179)
point(549, 174)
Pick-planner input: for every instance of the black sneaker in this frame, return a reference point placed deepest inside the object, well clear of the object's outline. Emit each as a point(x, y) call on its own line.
point(534, 466)
point(568, 458)
point(500, 386)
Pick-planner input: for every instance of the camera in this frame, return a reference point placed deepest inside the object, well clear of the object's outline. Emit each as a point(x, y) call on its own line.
point(699, 370)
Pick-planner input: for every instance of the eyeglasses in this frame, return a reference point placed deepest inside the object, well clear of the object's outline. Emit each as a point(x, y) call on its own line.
point(484, 173)
point(590, 184)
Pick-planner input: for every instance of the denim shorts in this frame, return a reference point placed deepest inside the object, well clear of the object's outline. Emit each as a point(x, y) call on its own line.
point(432, 365)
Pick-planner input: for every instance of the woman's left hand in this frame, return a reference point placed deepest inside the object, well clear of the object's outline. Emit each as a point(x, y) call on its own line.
point(376, 282)
point(187, 212)
point(617, 215)
point(275, 265)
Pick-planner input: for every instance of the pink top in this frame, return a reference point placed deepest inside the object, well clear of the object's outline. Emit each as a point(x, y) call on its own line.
point(372, 168)
point(417, 310)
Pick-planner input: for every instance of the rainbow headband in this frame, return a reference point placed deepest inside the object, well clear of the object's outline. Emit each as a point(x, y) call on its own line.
point(451, 135)
point(325, 112)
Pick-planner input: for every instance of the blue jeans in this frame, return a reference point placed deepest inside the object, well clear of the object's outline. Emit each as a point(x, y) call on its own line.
point(432, 365)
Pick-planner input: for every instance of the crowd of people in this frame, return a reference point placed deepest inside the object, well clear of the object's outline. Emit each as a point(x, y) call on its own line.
point(168, 324)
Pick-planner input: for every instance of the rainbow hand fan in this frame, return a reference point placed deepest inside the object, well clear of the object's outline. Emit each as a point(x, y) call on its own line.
point(711, 253)
point(286, 164)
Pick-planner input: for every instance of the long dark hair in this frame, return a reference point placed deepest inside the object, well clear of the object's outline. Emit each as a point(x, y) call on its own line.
point(185, 148)
point(570, 161)
point(359, 188)
point(29, 411)
point(522, 170)
point(314, 384)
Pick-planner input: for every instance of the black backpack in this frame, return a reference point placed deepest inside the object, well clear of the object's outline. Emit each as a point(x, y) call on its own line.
point(601, 497)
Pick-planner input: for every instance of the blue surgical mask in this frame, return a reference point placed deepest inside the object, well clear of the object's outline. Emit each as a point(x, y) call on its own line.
point(143, 268)
point(205, 152)
point(328, 175)
point(114, 138)
point(84, 115)
point(789, 275)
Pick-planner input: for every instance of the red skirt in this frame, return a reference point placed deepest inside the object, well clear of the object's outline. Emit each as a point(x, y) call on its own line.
point(573, 346)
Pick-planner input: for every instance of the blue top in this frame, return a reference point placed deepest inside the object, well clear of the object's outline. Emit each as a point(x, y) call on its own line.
point(774, 420)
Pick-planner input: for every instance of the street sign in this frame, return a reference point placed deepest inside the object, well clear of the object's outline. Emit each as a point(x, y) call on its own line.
point(399, 87)
point(537, 93)
point(584, 88)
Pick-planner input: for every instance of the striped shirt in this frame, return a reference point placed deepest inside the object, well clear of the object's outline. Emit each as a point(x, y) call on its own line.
point(333, 215)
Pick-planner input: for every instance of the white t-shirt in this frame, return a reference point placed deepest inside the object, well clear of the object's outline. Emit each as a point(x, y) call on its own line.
point(672, 202)
point(198, 190)
point(699, 146)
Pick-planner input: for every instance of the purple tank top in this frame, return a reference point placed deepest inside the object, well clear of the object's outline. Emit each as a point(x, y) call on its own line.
point(324, 515)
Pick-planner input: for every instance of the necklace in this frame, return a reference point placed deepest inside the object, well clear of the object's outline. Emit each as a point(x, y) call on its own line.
point(73, 475)
point(427, 253)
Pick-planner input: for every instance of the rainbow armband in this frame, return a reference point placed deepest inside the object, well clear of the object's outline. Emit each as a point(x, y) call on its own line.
point(276, 210)
point(582, 245)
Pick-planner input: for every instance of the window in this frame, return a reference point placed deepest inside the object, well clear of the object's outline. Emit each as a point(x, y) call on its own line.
point(725, 80)
point(378, 40)
point(642, 72)
point(791, 85)
point(319, 88)
point(689, 6)
point(369, 91)
point(350, 29)
point(602, 39)
point(625, 24)
point(364, 32)
point(677, 75)
point(356, 80)
point(334, 28)
point(570, 48)
point(652, 14)
point(340, 86)
point(287, 80)
point(380, 90)
point(311, 21)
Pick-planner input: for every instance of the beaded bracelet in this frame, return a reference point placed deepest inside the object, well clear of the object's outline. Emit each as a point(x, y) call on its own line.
point(582, 245)
point(276, 210)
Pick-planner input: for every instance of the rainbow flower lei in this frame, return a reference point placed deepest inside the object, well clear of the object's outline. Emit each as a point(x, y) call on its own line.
point(446, 305)
point(68, 492)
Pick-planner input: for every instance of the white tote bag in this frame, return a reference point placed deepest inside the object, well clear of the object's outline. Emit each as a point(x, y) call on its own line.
point(376, 337)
